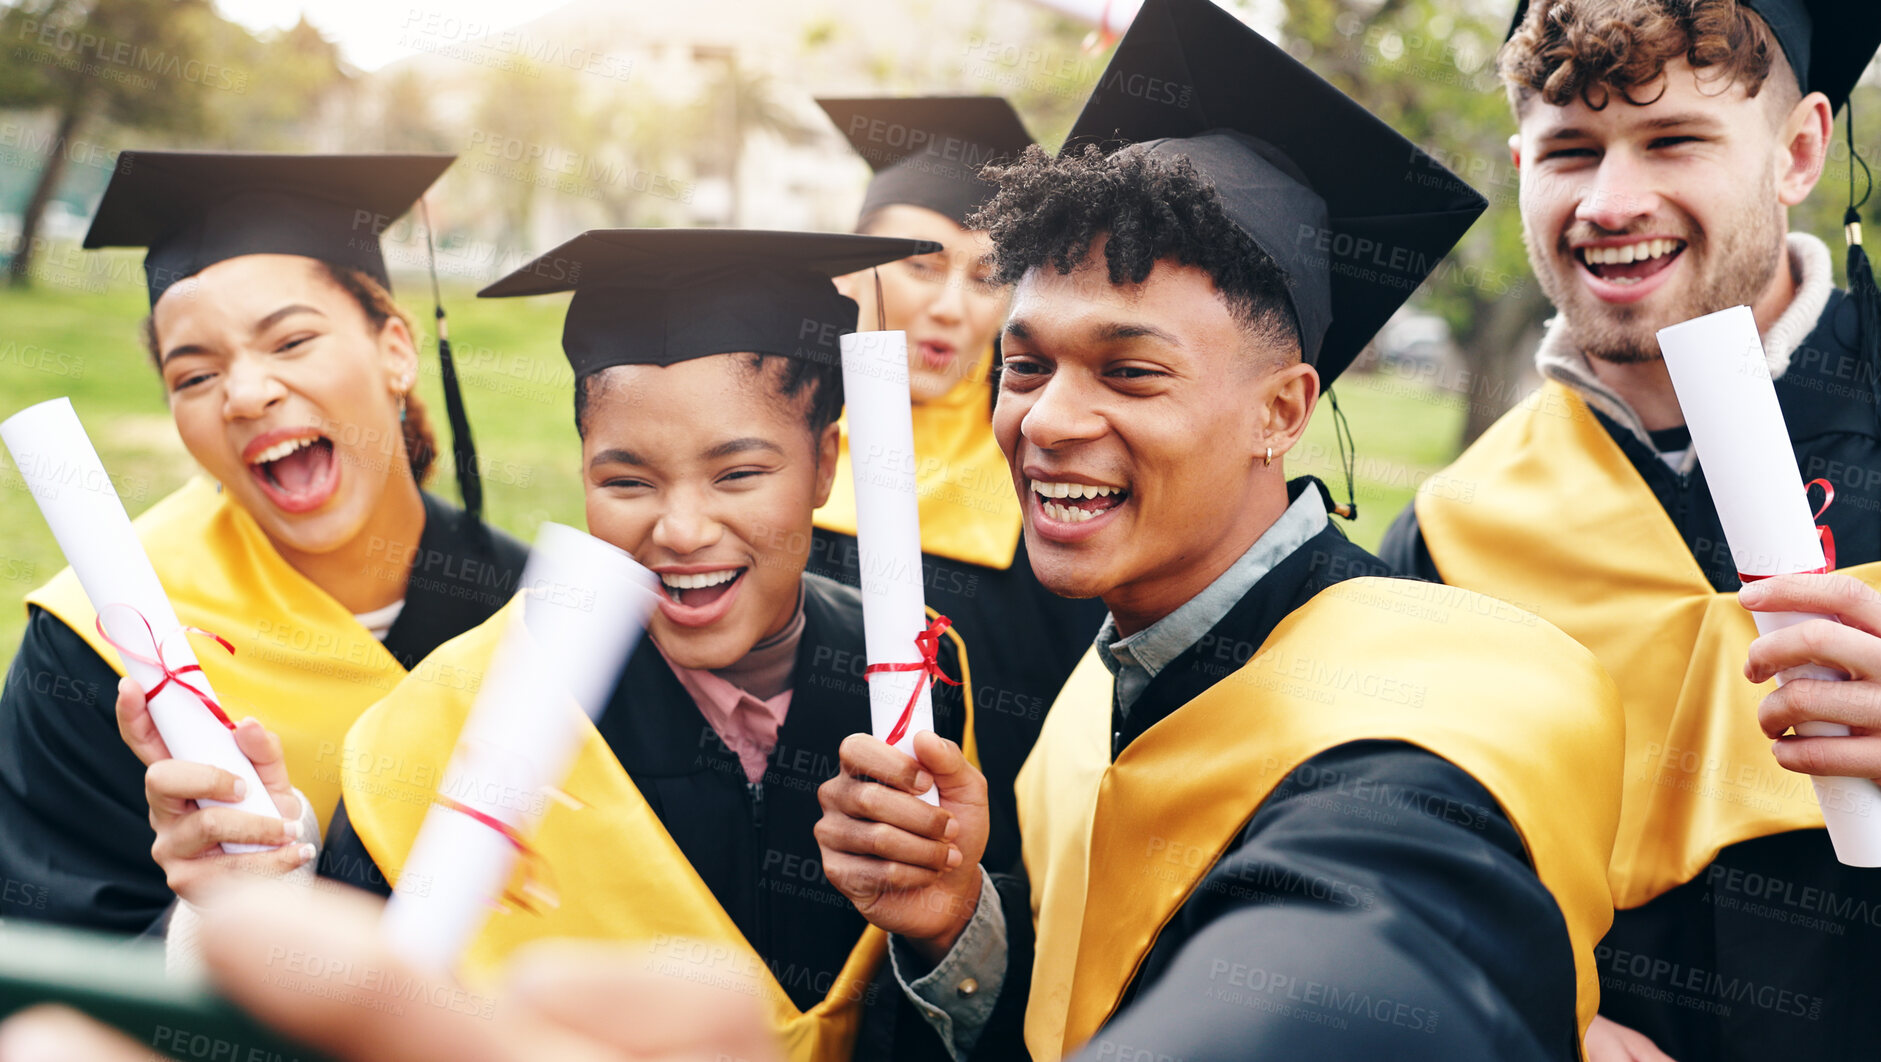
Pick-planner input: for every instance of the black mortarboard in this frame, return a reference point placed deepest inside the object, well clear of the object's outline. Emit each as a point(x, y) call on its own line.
point(660, 296)
point(927, 151)
point(1828, 42)
point(194, 209)
point(1354, 214)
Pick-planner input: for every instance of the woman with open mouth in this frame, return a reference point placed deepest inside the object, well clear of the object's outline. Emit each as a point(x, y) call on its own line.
point(927, 153)
point(707, 385)
point(306, 541)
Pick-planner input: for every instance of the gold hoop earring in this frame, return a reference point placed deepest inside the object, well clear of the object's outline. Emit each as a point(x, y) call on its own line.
point(1269, 459)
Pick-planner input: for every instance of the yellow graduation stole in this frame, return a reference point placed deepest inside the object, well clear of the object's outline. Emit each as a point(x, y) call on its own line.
point(969, 511)
point(1114, 849)
point(619, 874)
point(1546, 511)
point(302, 666)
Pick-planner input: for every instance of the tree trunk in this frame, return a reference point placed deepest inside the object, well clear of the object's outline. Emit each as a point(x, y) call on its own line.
point(20, 266)
point(1498, 354)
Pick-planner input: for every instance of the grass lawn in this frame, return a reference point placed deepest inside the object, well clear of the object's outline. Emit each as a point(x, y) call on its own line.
point(75, 334)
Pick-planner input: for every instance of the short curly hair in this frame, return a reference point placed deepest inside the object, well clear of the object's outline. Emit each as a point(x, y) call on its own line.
point(1050, 211)
point(1592, 50)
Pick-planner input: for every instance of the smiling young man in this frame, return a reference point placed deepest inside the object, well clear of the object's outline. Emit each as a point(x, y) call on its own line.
point(707, 388)
point(1282, 808)
point(1661, 144)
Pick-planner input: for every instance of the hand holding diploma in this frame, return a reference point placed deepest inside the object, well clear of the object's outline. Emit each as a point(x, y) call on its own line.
point(64, 475)
point(188, 805)
point(1723, 382)
point(1851, 646)
point(910, 868)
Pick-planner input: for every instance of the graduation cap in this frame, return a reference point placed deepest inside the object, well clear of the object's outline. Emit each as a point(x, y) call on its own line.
point(1828, 44)
point(194, 209)
point(1354, 214)
point(927, 151)
point(661, 296)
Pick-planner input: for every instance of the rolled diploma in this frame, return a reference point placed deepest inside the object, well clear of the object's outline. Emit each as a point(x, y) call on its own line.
point(888, 527)
point(1723, 383)
point(587, 604)
point(65, 476)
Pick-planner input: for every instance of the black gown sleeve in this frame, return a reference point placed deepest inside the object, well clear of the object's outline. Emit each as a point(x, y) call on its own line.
point(75, 830)
point(1378, 905)
point(1403, 548)
point(344, 857)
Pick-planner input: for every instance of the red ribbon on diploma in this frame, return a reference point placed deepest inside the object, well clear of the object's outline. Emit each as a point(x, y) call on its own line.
point(928, 643)
point(1822, 531)
point(532, 859)
point(170, 674)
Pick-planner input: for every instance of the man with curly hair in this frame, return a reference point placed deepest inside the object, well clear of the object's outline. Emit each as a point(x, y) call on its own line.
point(1281, 808)
point(1661, 144)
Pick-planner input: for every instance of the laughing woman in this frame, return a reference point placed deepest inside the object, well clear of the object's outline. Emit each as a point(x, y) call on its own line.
point(1024, 640)
point(306, 541)
point(706, 393)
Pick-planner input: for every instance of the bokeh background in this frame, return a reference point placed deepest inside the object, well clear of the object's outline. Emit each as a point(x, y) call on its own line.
point(588, 113)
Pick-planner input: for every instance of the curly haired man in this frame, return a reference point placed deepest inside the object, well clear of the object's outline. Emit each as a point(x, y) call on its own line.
point(1661, 144)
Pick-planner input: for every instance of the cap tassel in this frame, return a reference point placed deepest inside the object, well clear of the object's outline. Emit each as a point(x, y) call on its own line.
point(1866, 296)
point(1348, 458)
point(1862, 290)
point(463, 447)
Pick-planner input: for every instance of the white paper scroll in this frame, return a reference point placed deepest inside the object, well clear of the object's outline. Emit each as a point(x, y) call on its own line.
point(1723, 383)
point(63, 473)
point(888, 528)
point(587, 604)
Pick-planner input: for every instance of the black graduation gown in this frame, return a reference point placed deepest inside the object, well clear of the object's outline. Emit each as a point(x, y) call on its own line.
point(1771, 952)
point(753, 845)
point(75, 831)
point(1022, 642)
point(1441, 888)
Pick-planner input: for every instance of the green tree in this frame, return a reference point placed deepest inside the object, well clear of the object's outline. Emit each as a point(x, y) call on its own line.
point(289, 79)
point(144, 64)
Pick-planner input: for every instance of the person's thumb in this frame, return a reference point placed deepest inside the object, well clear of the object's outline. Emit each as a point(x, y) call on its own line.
point(263, 749)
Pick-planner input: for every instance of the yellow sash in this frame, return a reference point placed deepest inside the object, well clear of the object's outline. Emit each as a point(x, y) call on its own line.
point(969, 511)
point(303, 666)
point(1114, 849)
point(1546, 511)
point(619, 874)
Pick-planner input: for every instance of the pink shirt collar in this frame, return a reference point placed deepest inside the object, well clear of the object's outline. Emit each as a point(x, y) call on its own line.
point(747, 724)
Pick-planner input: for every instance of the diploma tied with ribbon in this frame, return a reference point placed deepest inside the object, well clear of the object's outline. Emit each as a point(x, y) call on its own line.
point(900, 642)
point(64, 475)
point(1723, 382)
point(585, 605)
